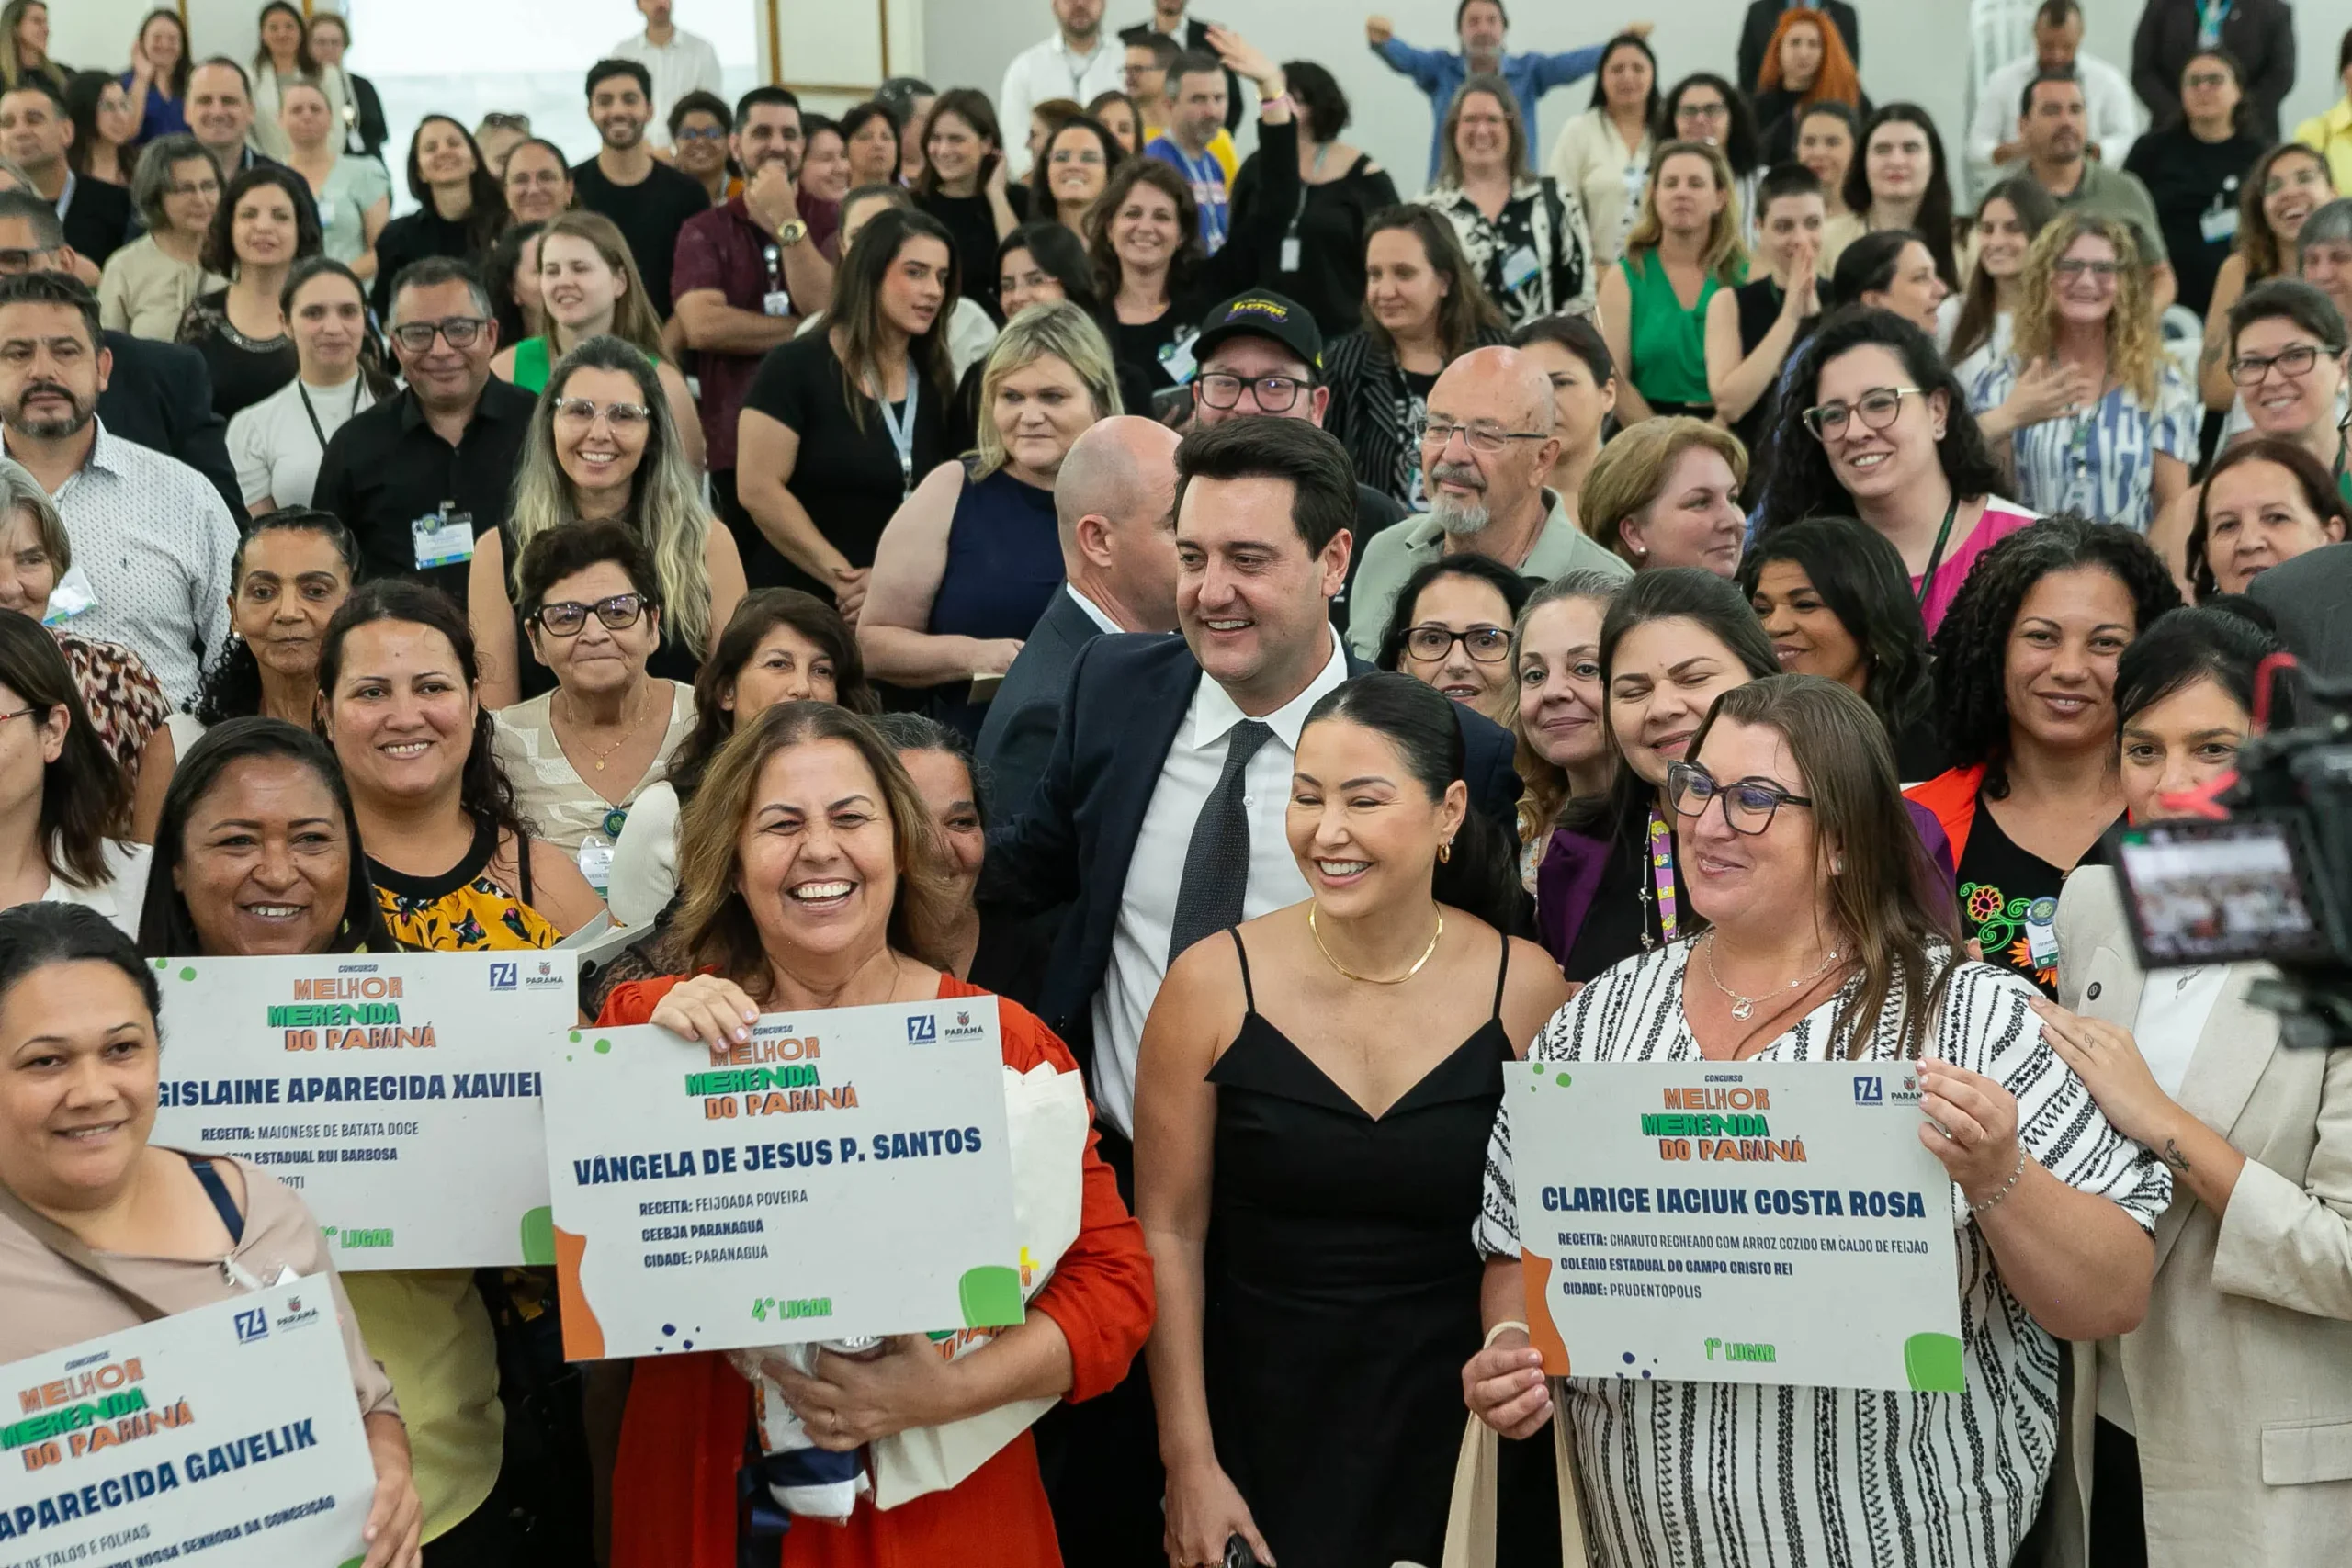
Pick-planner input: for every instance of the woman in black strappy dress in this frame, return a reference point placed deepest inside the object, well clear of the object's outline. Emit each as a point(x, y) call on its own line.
point(1313, 1097)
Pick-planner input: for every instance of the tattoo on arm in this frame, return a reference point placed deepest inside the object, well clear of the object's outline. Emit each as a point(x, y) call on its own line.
point(2172, 1155)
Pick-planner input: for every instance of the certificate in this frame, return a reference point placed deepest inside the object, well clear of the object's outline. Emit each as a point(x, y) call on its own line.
point(1735, 1222)
point(842, 1173)
point(228, 1434)
point(398, 1092)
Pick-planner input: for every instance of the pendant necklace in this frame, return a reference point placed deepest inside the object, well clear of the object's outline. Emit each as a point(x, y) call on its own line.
point(643, 707)
point(1743, 1008)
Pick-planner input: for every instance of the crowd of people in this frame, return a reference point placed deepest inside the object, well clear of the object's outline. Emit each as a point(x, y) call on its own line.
point(1304, 647)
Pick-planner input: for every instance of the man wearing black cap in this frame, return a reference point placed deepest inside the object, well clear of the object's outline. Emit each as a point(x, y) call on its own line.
point(1260, 353)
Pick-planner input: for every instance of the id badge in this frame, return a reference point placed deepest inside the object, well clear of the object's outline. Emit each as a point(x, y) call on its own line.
point(71, 597)
point(326, 211)
point(1177, 360)
point(777, 302)
point(1290, 253)
point(2218, 224)
point(597, 861)
point(443, 538)
point(2041, 931)
point(1520, 268)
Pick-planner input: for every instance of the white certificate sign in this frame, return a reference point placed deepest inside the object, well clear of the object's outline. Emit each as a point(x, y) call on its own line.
point(228, 1434)
point(1735, 1222)
point(398, 1092)
point(842, 1173)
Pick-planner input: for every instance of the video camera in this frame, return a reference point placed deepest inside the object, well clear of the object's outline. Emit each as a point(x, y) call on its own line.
point(2264, 872)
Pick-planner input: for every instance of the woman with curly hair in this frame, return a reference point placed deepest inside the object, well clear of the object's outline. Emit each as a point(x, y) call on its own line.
point(2098, 419)
point(2025, 706)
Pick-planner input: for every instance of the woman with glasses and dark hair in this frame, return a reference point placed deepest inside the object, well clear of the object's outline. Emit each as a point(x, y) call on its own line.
point(1872, 425)
point(2025, 706)
point(1899, 179)
point(265, 224)
point(1603, 154)
point(1451, 629)
point(580, 754)
point(65, 801)
point(1524, 237)
point(1074, 171)
point(1318, 257)
point(1819, 933)
point(1424, 308)
point(461, 206)
point(1833, 598)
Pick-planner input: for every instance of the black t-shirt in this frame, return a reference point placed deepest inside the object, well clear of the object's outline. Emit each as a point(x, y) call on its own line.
point(385, 469)
point(1330, 279)
point(2008, 902)
point(972, 222)
point(648, 215)
point(413, 236)
point(2188, 178)
point(846, 473)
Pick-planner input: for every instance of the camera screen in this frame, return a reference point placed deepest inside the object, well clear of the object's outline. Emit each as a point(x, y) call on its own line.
point(2218, 892)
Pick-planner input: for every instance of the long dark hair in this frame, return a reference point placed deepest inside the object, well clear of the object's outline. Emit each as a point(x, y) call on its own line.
point(2184, 647)
point(856, 308)
point(1971, 644)
point(1867, 266)
point(1466, 311)
point(1514, 589)
point(486, 215)
point(1480, 874)
point(1934, 219)
point(1861, 578)
point(484, 791)
point(230, 688)
point(761, 612)
point(44, 931)
point(166, 930)
point(84, 795)
point(176, 88)
point(498, 268)
point(972, 106)
point(217, 251)
point(305, 63)
point(1601, 74)
point(310, 270)
point(1742, 148)
point(82, 97)
point(1981, 304)
point(1061, 256)
point(1797, 480)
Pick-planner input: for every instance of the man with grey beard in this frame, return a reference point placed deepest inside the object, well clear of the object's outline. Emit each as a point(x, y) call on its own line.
point(1486, 446)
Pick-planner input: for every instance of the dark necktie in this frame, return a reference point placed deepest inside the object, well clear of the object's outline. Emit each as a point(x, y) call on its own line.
point(1217, 863)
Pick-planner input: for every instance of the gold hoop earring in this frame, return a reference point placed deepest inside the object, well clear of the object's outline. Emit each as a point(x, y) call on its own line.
point(1446, 851)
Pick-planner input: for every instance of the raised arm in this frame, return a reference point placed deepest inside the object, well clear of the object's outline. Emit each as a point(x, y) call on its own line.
point(1738, 382)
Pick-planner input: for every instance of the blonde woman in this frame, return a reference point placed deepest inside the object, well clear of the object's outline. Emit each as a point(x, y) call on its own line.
point(1666, 492)
point(1525, 237)
point(2097, 419)
point(589, 286)
point(604, 444)
point(967, 566)
point(1654, 302)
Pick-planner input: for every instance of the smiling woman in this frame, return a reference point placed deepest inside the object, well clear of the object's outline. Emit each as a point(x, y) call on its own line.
point(1451, 629)
point(266, 223)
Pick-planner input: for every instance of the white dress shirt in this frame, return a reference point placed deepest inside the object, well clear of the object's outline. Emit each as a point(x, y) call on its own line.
point(1093, 611)
point(1052, 70)
point(2114, 111)
point(155, 542)
point(1148, 907)
point(678, 67)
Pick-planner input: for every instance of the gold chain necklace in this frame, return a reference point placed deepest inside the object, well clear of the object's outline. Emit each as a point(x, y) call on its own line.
point(643, 707)
point(1368, 979)
point(1742, 1008)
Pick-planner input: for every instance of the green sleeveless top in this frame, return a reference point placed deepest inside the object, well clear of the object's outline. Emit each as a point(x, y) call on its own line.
point(1669, 342)
point(535, 356)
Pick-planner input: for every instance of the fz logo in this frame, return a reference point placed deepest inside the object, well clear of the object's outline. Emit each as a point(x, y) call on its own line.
point(501, 977)
point(252, 1324)
point(1869, 1091)
point(922, 1030)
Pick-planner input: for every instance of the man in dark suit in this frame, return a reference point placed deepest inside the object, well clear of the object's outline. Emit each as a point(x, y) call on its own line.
point(1114, 497)
point(1159, 820)
point(160, 395)
point(2306, 597)
point(1755, 34)
point(35, 130)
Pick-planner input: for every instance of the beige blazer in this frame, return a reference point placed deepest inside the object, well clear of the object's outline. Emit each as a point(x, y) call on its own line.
point(2241, 1375)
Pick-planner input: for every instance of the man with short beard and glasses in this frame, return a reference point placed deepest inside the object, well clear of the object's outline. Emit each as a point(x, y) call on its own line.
point(649, 202)
point(1486, 447)
point(748, 273)
point(152, 540)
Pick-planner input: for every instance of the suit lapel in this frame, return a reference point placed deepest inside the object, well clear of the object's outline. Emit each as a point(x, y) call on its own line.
point(1138, 757)
point(2233, 1051)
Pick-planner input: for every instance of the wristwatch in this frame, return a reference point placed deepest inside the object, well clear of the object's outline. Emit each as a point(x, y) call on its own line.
point(791, 232)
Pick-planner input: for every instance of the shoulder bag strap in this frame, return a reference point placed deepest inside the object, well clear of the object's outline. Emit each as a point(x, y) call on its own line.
point(72, 1248)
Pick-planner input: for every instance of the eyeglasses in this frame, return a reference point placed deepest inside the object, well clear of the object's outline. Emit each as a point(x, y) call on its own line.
point(619, 416)
point(458, 330)
point(1275, 394)
point(521, 122)
point(1488, 645)
point(2076, 267)
point(21, 713)
point(565, 618)
point(713, 134)
point(1749, 805)
point(1482, 437)
point(2246, 370)
point(1877, 408)
point(1703, 111)
point(196, 187)
point(2208, 79)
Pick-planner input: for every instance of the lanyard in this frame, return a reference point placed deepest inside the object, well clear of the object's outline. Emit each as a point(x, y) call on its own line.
point(1936, 556)
point(2211, 14)
point(1662, 877)
point(902, 427)
point(775, 258)
point(1290, 235)
point(316, 428)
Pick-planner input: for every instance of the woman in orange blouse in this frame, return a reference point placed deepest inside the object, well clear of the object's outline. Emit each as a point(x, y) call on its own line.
point(816, 881)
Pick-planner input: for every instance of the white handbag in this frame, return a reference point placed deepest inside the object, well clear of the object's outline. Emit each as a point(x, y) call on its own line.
point(1470, 1519)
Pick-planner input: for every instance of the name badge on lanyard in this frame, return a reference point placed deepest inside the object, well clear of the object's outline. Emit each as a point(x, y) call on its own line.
point(443, 538)
point(777, 301)
point(902, 428)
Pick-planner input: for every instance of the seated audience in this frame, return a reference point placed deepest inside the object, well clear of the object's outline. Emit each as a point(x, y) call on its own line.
point(580, 755)
point(1452, 631)
point(278, 442)
point(1804, 63)
point(1524, 238)
point(1899, 180)
point(1654, 303)
point(2264, 501)
point(1666, 492)
point(1834, 599)
point(1424, 309)
point(353, 195)
point(148, 284)
point(1982, 317)
point(177, 1231)
point(1752, 330)
point(1560, 726)
point(2281, 191)
point(120, 695)
point(2097, 419)
point(2025, 707)
point(461, 207)
point(261, 230)
point(64, 800)
point(1889, 270)
point(1603, 154)
point(1570, 351)
point(456, 868)
point(964, 569)
point(1318, 257)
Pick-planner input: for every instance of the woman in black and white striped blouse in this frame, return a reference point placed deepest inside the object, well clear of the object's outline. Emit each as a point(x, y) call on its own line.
point(1826, 939)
